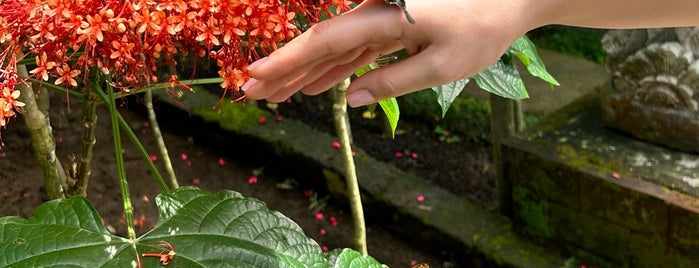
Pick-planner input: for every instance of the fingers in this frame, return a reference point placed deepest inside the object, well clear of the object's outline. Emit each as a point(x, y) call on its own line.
point(420, 71)
point(326, 46)
point(320, 71)
point(328, 39)
point(339, 73)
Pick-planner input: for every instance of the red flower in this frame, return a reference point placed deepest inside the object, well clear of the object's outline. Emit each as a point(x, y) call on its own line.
point(66, 76)
point(132, 40)
point(43, 66)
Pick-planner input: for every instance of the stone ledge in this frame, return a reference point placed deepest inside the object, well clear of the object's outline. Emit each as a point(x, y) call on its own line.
point(602, 195)
point(443, 221)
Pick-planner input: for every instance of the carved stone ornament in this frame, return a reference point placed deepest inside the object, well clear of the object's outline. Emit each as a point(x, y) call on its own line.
point(654, 91)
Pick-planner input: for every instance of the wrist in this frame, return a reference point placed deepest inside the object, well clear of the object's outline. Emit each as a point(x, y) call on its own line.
point(537, 13)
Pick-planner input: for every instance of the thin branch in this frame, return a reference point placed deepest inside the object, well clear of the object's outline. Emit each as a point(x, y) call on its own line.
point(119, 157)
point(159, 140)
point(88, 142)
point(340, 119)
point(144, 154)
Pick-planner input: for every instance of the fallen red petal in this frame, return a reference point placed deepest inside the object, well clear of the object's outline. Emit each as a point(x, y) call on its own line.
point(252, 179)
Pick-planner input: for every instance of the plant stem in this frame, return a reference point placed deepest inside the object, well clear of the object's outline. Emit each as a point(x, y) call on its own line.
point(159, 139)
point(144, 154)
point(71, 93)
point(119, 159)
point(340, 119)
point(124, 127)
point(43, 141)
point(201, 81)
point(88, 142)
point(502, 125)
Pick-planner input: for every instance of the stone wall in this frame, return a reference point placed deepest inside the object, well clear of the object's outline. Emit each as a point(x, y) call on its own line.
point(597, 205)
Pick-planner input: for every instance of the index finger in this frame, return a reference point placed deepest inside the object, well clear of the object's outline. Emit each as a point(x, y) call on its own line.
point(371, 23)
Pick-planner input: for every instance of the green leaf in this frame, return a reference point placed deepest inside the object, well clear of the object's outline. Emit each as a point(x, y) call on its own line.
point(366, 69)
point(347, 258)
point(61, 233)
point(525, 51)
point(502, 80)
point(392, 111)
point(447, 93)
point(389, 106)
point(204, 230)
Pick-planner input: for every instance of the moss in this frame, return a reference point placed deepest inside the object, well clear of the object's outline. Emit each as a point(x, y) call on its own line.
point(580, 159)
point(232, 116)
point(533, 213)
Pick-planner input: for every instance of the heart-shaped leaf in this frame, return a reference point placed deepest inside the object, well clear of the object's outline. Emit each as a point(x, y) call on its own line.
point(503, 80)
point(196, 229)
point(525, 51)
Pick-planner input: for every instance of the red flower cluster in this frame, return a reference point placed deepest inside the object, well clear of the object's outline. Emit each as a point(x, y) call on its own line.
point(133, 39)
point(8, 96)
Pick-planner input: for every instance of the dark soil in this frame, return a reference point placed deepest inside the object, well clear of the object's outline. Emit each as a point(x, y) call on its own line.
point(459, 167)
point(462, 168)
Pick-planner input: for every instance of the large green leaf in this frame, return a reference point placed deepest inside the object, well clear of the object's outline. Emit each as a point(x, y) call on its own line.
point(503, 80)
point(66, 233)
point(204, 230)
point(525, 51)
point(447, 93)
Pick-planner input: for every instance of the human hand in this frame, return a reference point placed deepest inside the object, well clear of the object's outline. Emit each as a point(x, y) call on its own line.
point(451, 39)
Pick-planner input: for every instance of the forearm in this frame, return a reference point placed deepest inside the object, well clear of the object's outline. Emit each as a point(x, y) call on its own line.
point(614, 14)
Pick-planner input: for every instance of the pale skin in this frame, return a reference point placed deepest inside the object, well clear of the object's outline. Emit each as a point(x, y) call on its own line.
point(451, 39)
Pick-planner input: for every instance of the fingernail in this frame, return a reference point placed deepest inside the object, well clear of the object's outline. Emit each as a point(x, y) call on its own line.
point(256, 64)
point(359, 98)
point(248, 84)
